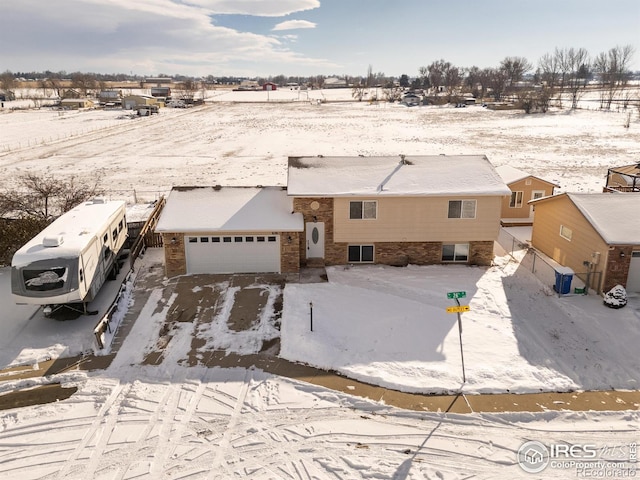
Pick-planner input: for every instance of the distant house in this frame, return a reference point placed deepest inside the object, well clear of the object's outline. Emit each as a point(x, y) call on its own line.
point(623, 179)
point(70, 93)
point(524, 187)
point(397, 210)
point(130, 102)
point(230, 230)
point(7, 96)
point(76, 103)
point(111, 97)
point(596, 234)
point(269, 86)
point(335, 82)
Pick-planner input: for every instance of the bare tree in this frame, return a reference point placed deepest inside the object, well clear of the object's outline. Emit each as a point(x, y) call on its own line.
point(7, 81)
point(514, 68)
point(574, 67)
point(497, 81)
point(45, 196)
point(83, 82)
point(549, 70)
point(444, 76)
point(358, 91)
point(614, 72)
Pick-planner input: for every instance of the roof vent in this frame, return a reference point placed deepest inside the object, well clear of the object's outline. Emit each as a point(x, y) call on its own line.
point(54, 241)
point(98, 200)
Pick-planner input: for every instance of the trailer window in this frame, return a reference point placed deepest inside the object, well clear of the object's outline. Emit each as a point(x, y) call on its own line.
point(45, 279)
point(105, 238)
point(115, 233)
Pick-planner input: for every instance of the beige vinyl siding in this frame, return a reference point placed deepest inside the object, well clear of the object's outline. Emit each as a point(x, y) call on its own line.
point(549, 216)
point(417, 219)
point(521, 186)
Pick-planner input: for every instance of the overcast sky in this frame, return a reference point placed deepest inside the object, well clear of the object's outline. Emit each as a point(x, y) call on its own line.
point(301, 37)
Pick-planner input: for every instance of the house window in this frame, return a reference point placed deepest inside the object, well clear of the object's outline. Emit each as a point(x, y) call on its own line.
point(363, 210)
point(115, 233)
point(516, 200)
point(458, 252)
point(105, 238)
point(361, 253)
point(566, 232)
point(527, 181)
point(462, 209)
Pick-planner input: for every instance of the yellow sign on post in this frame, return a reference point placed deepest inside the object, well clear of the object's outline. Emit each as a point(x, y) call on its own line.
point(458, 309)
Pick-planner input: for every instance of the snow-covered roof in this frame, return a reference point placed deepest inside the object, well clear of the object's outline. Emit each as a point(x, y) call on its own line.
point(511, 174)
point(73, 230)
point(237, 209)
point(615, 216)
point(432, 175)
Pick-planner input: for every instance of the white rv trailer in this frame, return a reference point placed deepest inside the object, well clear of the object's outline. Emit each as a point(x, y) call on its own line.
point(69, 261)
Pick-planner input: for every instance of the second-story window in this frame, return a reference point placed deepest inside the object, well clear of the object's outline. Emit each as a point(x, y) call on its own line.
point(363, 210)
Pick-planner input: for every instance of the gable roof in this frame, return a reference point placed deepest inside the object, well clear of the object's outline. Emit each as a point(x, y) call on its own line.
point(431, 175)
point(237, 209)
point(511, 175)
point(615, 216)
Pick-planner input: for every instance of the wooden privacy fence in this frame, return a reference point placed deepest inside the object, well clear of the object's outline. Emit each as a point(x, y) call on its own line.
point(148, 237)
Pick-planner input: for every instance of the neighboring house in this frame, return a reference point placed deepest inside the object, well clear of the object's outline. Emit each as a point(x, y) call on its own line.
point(334, 82)
point(76, 103)
point(396, 210)
point(592, 233)
point(113, 96)
point(230, 230)
point(132, 101)
point(70, 93)
point(524, 187)
point(623, 179)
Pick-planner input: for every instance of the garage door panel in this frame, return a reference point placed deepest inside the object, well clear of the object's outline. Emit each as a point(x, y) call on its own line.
point(633, 280)
point(233, 254)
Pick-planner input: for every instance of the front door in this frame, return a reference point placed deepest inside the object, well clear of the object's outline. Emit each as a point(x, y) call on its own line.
point(315, 239)
point(535, 194)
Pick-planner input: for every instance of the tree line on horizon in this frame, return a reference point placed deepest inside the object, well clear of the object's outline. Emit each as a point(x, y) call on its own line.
point(566, 70)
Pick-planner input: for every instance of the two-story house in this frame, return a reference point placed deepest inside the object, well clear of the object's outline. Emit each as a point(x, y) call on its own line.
point(396, 210)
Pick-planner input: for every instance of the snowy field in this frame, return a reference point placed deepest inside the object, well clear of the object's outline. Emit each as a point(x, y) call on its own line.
point(176, 422)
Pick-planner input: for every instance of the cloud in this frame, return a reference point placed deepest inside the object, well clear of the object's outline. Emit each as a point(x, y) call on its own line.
point(144, 37)
point(258, 8)
point(294, 24)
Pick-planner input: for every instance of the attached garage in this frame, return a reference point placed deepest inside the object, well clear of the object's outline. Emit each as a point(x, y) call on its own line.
point(230, 230)
point(233, 253)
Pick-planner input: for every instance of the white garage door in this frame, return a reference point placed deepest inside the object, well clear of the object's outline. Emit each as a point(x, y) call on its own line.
point(233, 254)
point(633, 280)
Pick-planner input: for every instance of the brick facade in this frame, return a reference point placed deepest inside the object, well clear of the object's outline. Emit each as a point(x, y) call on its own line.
point(617, 270)
point(175, 259)
point(290, 252)
point(387, 253)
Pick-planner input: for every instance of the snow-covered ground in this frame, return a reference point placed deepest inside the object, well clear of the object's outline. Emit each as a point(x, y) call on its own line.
point(384, 325)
